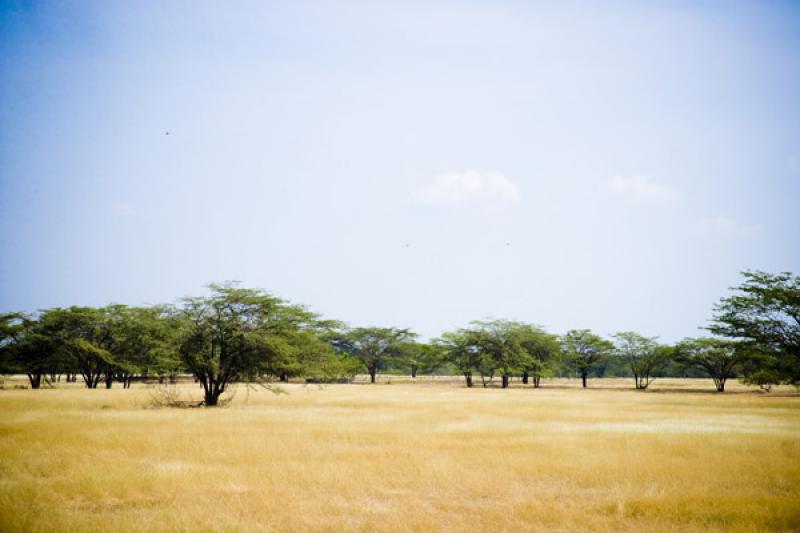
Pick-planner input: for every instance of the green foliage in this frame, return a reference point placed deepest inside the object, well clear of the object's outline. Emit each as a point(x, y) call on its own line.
point(542, 350)
point(584, 350)
point(78, 340)
point(314, 358)
point(500, 345)
point(643, 356)
point(765, 314)
point(143, 341)
point(718, 358)
point(237, 334)
point(458, 350)
point(419, 357)
point(24, 349)
point(244, 335)
point(374, 347)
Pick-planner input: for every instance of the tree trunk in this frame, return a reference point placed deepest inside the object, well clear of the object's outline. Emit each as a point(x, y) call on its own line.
point(536, 380)
point(413, 371)
point(372, 373)
point(468, 377)
point(211, 398)
point(36, 380)
point(90, 380)
point(283, 377)
point(213, 390)
point(505, 381)
point(109, 380)
point(524, 378)
point(583, 379)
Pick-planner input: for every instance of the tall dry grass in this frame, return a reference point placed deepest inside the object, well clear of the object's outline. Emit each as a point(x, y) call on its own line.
point(403, 458)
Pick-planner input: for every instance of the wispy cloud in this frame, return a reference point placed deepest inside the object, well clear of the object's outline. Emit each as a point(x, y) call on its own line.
point(123, 210)
point(486, 191)
point(643, 188)
point(722, 225)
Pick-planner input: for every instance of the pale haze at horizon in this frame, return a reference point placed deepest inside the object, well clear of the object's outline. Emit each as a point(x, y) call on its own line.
point(607, 166)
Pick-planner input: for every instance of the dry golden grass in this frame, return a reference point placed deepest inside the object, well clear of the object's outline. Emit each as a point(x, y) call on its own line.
point(421, 457)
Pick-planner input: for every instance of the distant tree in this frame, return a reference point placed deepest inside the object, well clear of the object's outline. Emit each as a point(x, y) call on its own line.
point(78, 339)
point(235, 334)
point(584, 350)
point(499, 342)
point(142, 340)
point(11, 326)
point(375, 347)
point(459, 350)
point(420, 357)
point(718, 358)
point(23, 349)
point(305, 348)
point(641, 354)
point(765, 314)
point(316, 358)
point(12, 330)
point(759, 368)
point(542, 351)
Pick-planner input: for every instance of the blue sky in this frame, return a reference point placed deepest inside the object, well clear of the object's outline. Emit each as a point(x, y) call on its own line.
point(602, 165)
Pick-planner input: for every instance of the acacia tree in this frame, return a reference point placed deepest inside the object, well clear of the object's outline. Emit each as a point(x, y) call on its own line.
point(459, 350)
point(584, 350)
point(58, 340)
point(718, 358)
point(78, 339)
point(765, 315)
point(420, 357)
point(374, 347)
point(23, 349)
point(142, 340)
point(499, 343)
point(316, 355)
point(641, 354)
point(234, 334)
point(542, 349)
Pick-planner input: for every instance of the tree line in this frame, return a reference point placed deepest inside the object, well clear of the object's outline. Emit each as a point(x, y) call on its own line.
point(239, 335)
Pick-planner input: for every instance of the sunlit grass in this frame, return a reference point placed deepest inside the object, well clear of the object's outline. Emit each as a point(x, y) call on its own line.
point(419, 457)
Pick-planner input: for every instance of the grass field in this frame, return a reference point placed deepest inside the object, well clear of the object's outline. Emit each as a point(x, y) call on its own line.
point(404, 457)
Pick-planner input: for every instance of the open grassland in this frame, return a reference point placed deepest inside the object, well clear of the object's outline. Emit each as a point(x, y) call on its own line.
point(403, 457)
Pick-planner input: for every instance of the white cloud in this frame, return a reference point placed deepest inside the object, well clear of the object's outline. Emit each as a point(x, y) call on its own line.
point(643, 188)
point(725, 226)
point(123, 210)
point(487, 191)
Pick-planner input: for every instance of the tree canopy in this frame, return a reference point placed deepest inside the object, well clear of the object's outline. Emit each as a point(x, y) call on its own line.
point(765, 314)
point(718, 358)
point(584, 350)
point(234, 334)
point(642, 355)
point(375, 347)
